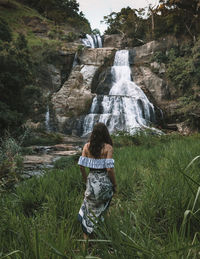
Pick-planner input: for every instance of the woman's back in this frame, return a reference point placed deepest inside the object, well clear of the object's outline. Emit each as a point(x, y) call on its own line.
point(106, 151)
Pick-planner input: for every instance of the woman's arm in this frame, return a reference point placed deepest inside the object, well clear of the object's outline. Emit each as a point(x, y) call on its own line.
point(82, 168)
point(111, 171)
point(83, 172)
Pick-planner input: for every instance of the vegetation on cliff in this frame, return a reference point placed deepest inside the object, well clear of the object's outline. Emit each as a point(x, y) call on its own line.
point(182, 74)
point(177, 17)
point(16, 76)
point(26, 39)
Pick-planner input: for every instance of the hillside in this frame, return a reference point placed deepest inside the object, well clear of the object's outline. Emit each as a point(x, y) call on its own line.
point(38, 29)
point(36, 54)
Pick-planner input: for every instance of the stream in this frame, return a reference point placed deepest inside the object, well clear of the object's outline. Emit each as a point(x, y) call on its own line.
point(44, 157)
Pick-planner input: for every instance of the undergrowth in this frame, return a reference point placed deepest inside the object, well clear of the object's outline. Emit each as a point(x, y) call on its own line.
point(155, 213)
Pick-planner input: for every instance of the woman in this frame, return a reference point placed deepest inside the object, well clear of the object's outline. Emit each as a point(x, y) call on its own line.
point(100, 183)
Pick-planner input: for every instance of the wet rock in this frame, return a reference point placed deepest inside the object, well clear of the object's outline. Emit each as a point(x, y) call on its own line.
point(95, 57)
point(156, 85)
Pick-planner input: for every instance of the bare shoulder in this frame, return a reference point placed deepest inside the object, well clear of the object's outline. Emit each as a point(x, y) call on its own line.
point(108, 151)
point(85, 149)
point(108, 147)
point(86, 145)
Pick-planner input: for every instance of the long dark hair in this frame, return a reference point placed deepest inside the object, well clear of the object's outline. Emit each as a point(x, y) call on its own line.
point(100, 135)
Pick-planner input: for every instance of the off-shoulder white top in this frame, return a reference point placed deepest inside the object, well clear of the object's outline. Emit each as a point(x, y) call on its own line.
point(96, 163)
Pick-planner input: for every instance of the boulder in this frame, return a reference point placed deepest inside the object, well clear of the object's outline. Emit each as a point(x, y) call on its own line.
point(144, 77)
point(113, 41)
point(144, 53)
point(95, 57)
point(184, 128)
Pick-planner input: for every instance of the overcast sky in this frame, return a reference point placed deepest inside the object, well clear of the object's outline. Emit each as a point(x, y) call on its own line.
point(95, 10)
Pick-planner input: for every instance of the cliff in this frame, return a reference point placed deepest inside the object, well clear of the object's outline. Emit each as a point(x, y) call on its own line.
point(93, 76)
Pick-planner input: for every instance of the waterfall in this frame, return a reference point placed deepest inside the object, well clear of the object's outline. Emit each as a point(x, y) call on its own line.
point(99, 41)
point(126, 107)
point(75, 61)
point(92, 41)
point(47, 119)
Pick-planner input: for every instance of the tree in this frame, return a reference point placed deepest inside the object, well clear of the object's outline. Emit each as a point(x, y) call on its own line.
point(5, 31)
point(15, 75)
point(188, 11)
point(127, 22)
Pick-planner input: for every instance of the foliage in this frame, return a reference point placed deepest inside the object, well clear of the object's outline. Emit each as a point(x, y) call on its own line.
point(154, 214)
point(96, 31)
point(182, 71)
point(65, 162)
point(61, 11)
point(20, 95)
point(159, 57)
point(71, 36)
point(183, 66)
point(5, 31)
point(34, 137)
point(11, 162)
point(127, 21)
point(15, 74)
point(169, 17)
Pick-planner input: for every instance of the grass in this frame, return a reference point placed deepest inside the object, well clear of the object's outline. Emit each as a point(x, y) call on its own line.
point(41, 138)
point(15, 15)
point(155, 213)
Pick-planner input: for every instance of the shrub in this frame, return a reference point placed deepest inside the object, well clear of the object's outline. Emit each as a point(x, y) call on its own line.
point(71, 36)
point(5, 31)
point(11, 162)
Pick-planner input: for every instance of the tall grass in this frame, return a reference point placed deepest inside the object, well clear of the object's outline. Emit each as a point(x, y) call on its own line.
point(155, 213)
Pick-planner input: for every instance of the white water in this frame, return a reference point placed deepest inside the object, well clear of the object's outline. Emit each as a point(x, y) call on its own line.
point(92, 41)
point(47, 119)
point(75, 62)
point(126, 107)
point(99, 41)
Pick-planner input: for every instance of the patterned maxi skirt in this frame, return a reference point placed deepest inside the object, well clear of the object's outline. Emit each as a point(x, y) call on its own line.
point(98, 194)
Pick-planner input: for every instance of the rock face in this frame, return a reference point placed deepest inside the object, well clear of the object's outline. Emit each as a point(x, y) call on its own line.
point(54, 70)
point(150, 77)
point(144, 77)
point(113, 41)
point(92, 75)
point(143, 54)
point(74, 99)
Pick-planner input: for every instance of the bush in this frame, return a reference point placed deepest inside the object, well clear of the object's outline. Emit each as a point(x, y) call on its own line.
point(42, 138)
point(71, 36)
point(180, 72)
point(65, 162)
point(11, 162)
point(5, 31)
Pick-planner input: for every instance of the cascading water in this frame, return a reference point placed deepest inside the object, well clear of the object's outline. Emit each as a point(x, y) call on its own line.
point(47, 119)
point(92, 41)
point(126, 107)
point(75, 61)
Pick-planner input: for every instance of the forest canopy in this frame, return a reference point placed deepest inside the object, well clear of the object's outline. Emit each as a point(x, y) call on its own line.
point(176, 17)
point(60, 11)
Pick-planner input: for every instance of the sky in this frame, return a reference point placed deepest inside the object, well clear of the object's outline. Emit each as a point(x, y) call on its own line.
point(95, 10)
